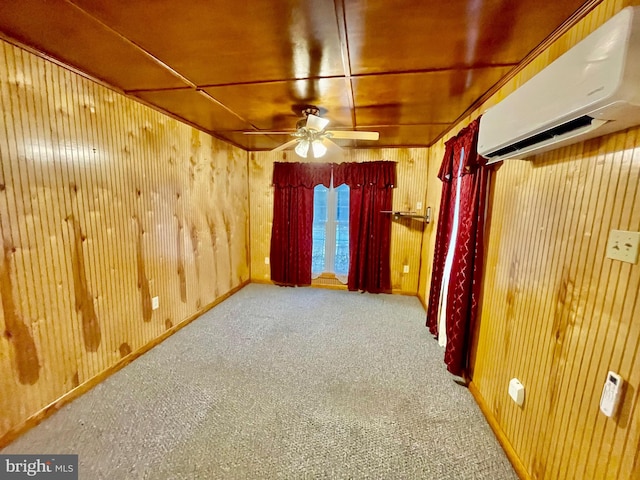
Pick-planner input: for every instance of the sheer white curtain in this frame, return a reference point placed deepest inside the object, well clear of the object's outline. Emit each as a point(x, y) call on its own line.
point(442, 310)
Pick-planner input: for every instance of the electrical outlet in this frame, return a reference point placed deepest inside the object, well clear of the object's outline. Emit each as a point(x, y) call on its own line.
point(418, 206)
point(405, 269)
point(266, 260)
point(155, 303)
point(623, 246)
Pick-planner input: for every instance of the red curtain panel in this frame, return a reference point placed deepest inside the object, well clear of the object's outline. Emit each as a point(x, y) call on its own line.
point(371, 191)
point(443, 236)
point(291, 233)
point(467, 171)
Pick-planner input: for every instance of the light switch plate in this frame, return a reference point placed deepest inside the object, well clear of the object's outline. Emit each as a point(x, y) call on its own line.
point(419, 206)
point(405, 269)
point(155, 303)
point(623, 246)
point(266, 260)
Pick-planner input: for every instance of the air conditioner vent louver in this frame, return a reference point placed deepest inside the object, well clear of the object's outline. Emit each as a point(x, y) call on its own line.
point(589, 91)
point(562, 129)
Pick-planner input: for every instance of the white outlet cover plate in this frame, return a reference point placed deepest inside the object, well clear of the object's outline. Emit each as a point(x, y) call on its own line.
point(266, 260)
point(623, 246)
point(516, 391)
point(155, 303)
point(405, 269)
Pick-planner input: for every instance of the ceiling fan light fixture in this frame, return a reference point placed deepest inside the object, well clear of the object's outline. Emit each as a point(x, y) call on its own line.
point(302, 148)
point(318, 148)
point(316, 123)
point(311, 134)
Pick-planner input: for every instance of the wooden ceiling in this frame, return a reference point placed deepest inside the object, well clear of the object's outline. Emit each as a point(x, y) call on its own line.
point(405, 68)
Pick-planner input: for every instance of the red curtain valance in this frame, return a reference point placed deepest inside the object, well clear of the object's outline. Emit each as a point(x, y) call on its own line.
point(467, 141)
point(307, 175)
point(381, 174)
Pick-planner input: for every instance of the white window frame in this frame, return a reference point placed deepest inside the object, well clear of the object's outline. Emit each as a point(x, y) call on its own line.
point(330, 237)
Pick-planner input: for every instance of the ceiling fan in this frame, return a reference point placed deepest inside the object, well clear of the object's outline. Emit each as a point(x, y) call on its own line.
point(311, 138)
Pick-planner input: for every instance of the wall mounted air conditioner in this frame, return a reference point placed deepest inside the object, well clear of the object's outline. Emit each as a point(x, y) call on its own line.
point(591, 90)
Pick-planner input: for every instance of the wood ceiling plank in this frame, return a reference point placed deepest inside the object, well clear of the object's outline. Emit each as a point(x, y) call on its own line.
point(420, 98)
point(225, 42)
point(402, 66)
point(432, 34)
point(196, 108)
point(72, 37)
point(277, 105)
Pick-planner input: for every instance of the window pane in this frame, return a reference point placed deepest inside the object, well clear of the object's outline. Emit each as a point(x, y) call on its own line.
point(342, 231)
point(333, 203)
point(317, 255)
point(320, 203)
point(342, 248)
point(343, 203)
point(319, 229)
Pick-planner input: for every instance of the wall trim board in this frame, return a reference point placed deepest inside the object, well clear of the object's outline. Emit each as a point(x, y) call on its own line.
point(517, 464)
point(71, 395)
point(249, 229)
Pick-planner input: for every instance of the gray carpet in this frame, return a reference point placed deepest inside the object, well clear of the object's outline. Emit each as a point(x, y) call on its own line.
point(282, 383)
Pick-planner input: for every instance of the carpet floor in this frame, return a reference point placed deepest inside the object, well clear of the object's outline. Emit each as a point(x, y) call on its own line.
point(282, 383)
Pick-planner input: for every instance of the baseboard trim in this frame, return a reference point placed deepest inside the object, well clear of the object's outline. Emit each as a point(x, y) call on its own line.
point(262, 281)
point(403, 292)
point(517, 464)
point(71, 395)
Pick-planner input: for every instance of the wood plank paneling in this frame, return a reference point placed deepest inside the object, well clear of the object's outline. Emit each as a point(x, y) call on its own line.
point(433, 35)
point(432, 199)
point(395, 65)
point(406, 234)
point(104, 204)
point(556, 313)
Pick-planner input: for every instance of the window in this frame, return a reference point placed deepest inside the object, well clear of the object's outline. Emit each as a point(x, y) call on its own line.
point(331, 231)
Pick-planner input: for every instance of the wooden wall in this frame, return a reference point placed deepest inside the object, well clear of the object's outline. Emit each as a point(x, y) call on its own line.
point(104, 204)
point(556, 313)
point(406, 234)
point(434, 191)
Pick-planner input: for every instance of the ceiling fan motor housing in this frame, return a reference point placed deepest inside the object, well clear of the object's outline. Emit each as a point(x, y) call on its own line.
point(306, 111)
point(310, 110)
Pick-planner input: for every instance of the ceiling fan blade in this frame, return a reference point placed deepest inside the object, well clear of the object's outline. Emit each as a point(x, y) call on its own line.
point(284, 146)
point(316, 123)
point(353, 135)
point(266, 133)
point(331, 145)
